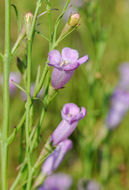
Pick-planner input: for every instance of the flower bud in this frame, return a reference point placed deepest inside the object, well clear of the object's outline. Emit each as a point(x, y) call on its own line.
point(74, 19)
point(28, 22)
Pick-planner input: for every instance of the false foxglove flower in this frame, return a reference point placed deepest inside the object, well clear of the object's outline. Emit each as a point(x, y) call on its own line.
point(55, 159)
point(14, 76)
point(57, 181)
point(64, 65)
point(119, 108)
point(71, 114)
point(119, 99)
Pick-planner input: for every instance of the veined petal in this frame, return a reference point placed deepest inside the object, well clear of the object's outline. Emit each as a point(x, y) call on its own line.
point(69, 55)
point(83, 59)
point(54, 58)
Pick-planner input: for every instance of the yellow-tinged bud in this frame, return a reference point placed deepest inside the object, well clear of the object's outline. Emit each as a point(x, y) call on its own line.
point(74, 19)
point(28, 17)
point(28, 22)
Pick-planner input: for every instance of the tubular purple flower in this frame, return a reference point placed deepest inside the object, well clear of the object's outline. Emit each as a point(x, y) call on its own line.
point(119, 108)
point(57, 181)
point(55, 159)
point(119, 99)
point(64, 65)
point(71, 114)
point(14, 76)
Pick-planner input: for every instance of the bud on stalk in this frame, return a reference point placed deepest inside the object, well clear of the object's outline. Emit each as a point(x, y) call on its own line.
point(72, 22)
point(28, 22)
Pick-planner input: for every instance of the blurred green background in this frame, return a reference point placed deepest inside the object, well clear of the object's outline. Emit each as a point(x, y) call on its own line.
point(114, 17)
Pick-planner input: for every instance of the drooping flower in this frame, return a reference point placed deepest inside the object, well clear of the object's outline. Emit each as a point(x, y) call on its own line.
point(55, 159)
point(57, 181)
point(71, 114)
point(119, 99)
point(88, 185)
point(14, 76)
point(64, 65)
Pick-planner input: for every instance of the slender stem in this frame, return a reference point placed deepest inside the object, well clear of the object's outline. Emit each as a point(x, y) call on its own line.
point(7, 58)
point(1, 57)
point(18, 41)
point(18, 177)
point(28, 104)
point(29, 101)
point(13, 135)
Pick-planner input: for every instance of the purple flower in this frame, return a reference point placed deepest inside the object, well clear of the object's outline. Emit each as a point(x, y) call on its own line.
point(55, 159)
point(88, 185)
point(64, 65)
point(57, 181)
point(14, 76)
point(71, 114)
point(119, 99)
point(119, 108)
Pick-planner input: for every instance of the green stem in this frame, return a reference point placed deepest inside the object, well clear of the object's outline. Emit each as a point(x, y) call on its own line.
point(13, 135)
point(28, 105)
point(29, 101)
point(6, 102)
point(18, 41)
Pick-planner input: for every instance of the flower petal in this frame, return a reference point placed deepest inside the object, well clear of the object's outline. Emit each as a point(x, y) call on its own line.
point(60, 78)
point(63, 131)
point(83, 59)
point(54, 58)
point(70, 55)
point(71, 67)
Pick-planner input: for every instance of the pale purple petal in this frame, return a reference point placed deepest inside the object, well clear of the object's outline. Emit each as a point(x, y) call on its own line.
point(71, 67)
point(55, 159)
point(119, 108)
point(71, 113)
point(48, 166)
point(70, 55)
point(63, 131)
point(60, 78)
point(65, 146)
point(57, 181)
point(54, 58)
point(83, 59)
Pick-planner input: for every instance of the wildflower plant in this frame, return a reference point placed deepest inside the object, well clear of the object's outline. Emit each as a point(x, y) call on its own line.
point(35, 86)
point(58, 144)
